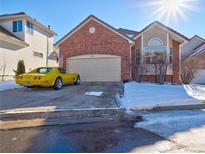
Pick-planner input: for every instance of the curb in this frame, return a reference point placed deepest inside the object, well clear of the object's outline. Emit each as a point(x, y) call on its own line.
point(50, 109)
point(21, 118)
point(177, 107)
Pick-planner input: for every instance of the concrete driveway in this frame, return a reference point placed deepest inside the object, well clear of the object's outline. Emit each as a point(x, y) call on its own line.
point(70, 97)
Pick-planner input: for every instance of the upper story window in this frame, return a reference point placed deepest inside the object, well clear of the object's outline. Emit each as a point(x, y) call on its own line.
point(155, 42)
point(17, 26)
point(29, 27)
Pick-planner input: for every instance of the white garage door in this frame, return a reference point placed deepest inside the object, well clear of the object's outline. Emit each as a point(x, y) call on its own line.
point(94, 68)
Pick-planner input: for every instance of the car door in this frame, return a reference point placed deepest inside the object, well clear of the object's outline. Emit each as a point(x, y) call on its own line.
point(63, 75)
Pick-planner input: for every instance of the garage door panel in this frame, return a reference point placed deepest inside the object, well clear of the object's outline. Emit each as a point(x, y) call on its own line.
point(96, 69)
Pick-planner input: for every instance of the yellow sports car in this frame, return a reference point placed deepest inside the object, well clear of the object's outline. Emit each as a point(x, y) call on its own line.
point(49, 77)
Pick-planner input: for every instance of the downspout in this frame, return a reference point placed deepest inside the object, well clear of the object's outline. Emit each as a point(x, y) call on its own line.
point(47, 52)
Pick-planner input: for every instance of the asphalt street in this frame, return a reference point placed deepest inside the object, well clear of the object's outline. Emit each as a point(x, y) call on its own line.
point(95, 137)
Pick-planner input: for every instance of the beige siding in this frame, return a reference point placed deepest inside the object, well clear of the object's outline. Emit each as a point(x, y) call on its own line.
point(154, 32)
point(37, 42)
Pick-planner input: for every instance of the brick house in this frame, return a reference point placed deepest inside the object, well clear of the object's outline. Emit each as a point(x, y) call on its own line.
point(100, 52)
point(194, 56)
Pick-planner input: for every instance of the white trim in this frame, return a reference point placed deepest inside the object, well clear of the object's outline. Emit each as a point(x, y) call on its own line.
point(180, 59)
point(131, 60)
point(92, 18)
point(91, 56)
point(168, 48)
point(142, 50)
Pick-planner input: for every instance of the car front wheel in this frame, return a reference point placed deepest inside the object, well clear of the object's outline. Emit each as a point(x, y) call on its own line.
point(77, 81)
point(58, 84)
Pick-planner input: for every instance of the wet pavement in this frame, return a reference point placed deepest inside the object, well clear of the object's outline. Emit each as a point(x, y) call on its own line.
point(94, 137)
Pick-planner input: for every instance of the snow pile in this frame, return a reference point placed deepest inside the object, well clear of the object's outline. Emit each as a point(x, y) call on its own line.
point(196, 91)
point(6, 85)
point(176, 125)
point(94, 93)
point(150, 95)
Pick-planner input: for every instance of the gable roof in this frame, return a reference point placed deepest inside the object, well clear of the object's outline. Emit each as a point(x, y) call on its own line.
point(197, 51)
point(128, 32)
point(34, 21)
point(6, 35)
point(162, 25)
point(13, 14)
point(92, 17)
point(196, 36)
point(6, 32)
point(199, 46)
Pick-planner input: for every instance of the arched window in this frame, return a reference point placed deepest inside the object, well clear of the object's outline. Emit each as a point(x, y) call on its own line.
point(155, 42)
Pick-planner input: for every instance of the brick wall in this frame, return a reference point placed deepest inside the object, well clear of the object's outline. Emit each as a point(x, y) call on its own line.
point(175, 61)
point(103, 41)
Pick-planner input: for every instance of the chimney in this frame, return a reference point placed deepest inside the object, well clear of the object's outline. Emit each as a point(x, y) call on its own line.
point(49, 26)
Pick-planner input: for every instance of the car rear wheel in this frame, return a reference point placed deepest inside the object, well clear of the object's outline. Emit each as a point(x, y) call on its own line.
point(58, 84)
point(77, 81)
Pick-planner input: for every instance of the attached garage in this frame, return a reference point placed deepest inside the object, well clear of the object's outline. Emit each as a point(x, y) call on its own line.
point(97, 51)
point(96, 67)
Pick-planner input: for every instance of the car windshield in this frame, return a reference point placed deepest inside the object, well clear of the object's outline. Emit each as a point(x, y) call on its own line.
point(44, 70)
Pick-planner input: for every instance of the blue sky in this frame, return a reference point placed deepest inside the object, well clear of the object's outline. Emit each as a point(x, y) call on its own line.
point(64, 15)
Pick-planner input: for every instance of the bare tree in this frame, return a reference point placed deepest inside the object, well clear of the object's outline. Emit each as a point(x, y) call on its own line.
point(188, 69)
point(160, 67)
point(141, 71)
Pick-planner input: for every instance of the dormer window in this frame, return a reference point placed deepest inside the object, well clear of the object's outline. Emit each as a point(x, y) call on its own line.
point(29, 27)
point(17, 26)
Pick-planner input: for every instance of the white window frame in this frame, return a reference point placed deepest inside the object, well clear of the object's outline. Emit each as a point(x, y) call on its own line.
point(165, 47)
point(153, 39)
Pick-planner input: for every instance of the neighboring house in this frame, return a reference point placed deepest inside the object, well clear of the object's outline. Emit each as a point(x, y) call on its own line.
point(193, 52)
point(193, 43)
point(24, 38)
point(197, 60)
point(99, 52)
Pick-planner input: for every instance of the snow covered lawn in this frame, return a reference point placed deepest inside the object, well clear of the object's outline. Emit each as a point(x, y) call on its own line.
point(6, 85)
point(151, 95)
